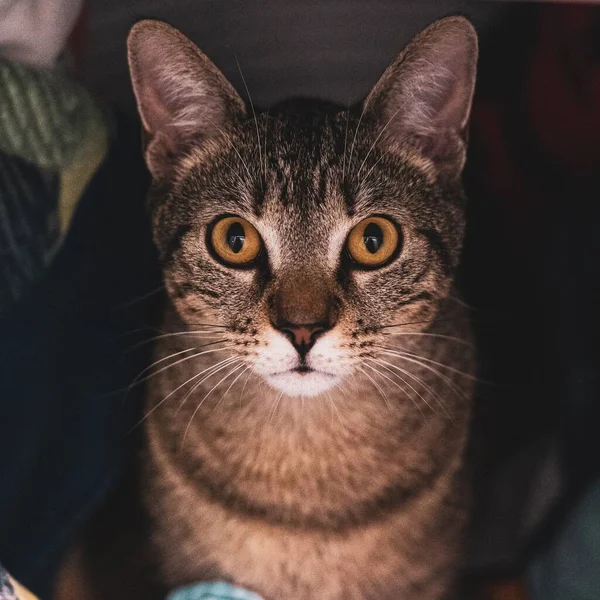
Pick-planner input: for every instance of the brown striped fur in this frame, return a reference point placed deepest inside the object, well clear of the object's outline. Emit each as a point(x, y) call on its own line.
point(356, 491)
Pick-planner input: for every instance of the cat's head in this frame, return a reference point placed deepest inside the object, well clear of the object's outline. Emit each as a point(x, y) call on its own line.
point(308, 230)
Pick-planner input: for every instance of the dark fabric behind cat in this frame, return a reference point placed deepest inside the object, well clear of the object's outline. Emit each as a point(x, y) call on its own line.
point(308, 413)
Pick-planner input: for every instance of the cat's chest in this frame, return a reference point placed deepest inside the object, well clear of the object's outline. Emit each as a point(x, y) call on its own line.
point(390, 557)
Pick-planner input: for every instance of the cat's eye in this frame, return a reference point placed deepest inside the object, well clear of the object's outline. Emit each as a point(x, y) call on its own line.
point(373, 241)
point(235, 241)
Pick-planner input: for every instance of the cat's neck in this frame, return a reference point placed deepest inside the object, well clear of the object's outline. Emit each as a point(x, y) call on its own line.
point(330, 457)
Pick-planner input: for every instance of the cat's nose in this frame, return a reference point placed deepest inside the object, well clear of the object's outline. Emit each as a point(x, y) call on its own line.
point(302, 307)
point(303, 336)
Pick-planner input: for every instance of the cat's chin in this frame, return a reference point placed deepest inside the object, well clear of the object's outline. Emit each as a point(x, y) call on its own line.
point(302, 383)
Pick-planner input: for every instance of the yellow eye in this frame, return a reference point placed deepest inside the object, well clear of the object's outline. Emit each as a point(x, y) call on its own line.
point(235, 240)
point(373, 241)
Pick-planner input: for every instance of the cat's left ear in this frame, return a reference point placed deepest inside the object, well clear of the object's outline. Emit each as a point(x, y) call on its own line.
point(423, 100)
point(182, 98)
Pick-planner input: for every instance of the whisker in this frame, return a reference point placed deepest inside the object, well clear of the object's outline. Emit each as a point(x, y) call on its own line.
point(403, 390)
point(128, 303)
point(237, 62)
point(232, 384)
point(424, 322)
point(265, 149)
point(244, 387)
point(383, 394)
point(232, 145)
point(417, 380)
point(462, 303)
point(440, 336)
point(427, 321)
point(345, 144)
point(210, 371)
point(163, 336)
point(159, 330)
point(338, 412)
point(446, 380)
point(171, 393)
point(411, 355)
point(331, 404)
point(383, 363)
point(207, 325)
point(377, 139)
point(274, 408)
point(238, 366)
point(362, 114)
point(362, 181)
point(339, 386)
point(137, 381)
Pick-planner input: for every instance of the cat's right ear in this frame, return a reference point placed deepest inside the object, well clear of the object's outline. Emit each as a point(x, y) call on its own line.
point(423, 100)
point(182, 98)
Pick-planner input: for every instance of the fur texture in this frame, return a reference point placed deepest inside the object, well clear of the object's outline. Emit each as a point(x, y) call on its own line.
point(335, 473)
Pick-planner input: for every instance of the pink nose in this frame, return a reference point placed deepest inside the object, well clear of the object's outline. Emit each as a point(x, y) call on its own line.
point(304, 336)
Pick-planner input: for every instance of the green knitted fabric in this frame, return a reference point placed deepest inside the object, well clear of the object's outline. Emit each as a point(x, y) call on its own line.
point(43, 115)
point(53, 138)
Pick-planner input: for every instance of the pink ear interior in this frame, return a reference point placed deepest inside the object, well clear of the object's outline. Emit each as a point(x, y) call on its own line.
point(424, 98)
point(182, 97)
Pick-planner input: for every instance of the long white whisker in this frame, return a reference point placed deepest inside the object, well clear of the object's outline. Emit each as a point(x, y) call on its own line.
point(417, 380)
point(395, 382)
point(408, 358)
point(253, 111)
point(379, 388)
point(172, 392)
point(377, 139)
point(408, 354)
point(199, 334)
point(265, 148)
point(448, 338)
point(173, 355)
point(274, 408)
point(238, 366)
point(244, 387)
point(137, 381)
point(210, 371)
point(345, 144)
point(232, 145)
point(362, 114)
point(141, 298)
point(232, 384)
point(362, 181)
point(337, 410)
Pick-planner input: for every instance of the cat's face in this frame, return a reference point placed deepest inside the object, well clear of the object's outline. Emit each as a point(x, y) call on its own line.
point(307, 232)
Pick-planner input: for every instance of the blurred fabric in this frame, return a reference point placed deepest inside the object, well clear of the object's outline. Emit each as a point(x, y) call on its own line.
point(53, 137)
point(33, 32)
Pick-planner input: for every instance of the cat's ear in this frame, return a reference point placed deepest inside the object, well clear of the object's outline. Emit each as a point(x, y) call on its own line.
point(424, 97)
point(182, 98)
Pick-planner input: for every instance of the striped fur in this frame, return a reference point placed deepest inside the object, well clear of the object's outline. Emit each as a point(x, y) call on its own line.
point(346, 487)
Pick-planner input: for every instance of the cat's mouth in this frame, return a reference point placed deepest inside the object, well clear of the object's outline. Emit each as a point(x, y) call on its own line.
point(302, 381)
point(303, 369)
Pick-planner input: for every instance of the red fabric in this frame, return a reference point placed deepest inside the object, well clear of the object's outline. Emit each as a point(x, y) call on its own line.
point(538, 121)
point(563, 86)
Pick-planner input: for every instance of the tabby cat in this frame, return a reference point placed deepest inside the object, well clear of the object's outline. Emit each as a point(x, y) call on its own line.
point(307, 442)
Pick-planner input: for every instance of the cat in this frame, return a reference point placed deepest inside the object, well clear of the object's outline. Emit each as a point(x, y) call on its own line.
point(308, 440)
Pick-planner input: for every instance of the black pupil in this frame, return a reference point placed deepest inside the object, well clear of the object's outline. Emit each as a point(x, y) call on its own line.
point(373, 238)
point(236, 237)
